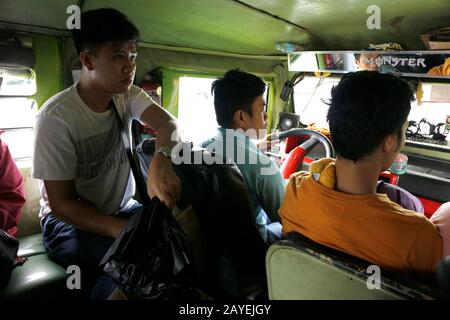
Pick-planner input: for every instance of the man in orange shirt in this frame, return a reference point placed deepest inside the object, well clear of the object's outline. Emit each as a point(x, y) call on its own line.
point(337, 204)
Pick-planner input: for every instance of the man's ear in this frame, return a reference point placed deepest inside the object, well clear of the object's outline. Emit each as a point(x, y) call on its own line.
point(240, 119)
point(86, 60)
point(390, 143)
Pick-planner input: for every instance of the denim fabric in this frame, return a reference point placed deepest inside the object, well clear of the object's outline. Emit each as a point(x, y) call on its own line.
point(67, 245)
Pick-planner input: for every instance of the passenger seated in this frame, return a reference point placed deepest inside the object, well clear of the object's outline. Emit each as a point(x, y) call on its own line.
point(87, 187)
point(338, 206)
point(12, 195)
point(240, 111)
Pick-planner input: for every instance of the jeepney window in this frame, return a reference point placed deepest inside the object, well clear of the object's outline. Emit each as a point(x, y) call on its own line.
point(17, 110)
point(309, 97)
point(431, 115)
point(196, 115)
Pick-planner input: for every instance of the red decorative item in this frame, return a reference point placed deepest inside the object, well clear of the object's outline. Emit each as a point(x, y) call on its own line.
point(292, 161)
point(429, 206)
point(292, 142)
point(389, 177)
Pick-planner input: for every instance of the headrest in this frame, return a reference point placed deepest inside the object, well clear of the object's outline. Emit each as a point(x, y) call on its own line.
point(218, 193)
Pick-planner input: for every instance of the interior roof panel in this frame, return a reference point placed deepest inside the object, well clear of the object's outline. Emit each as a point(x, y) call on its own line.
point(252, 26)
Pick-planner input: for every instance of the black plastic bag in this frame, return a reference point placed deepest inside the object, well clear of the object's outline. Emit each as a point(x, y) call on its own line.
point(151, 257)
point(8, 251)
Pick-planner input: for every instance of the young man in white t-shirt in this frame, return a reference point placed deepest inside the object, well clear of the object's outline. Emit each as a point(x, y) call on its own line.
point(79, 155)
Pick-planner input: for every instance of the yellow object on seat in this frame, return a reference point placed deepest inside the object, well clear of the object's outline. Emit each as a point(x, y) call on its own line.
point(324, 168)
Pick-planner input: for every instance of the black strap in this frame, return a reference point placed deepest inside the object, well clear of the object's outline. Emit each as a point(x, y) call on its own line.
point(140, 183)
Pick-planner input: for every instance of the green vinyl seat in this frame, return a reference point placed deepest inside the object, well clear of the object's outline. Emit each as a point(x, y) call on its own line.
point(37, 279)
point(301, 269)
point(31, 245)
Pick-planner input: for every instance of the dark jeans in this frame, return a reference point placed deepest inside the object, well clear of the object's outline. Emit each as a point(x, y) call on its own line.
point(67, 246)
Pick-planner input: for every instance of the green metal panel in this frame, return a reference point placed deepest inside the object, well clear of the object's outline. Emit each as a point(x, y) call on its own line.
point(46, 13)
point(149, 58)
point(252, 26)
point(221, 25)
point(343, 24)
point(271, 106)
point(170, 92)
point(48, 67)
point(247, 26)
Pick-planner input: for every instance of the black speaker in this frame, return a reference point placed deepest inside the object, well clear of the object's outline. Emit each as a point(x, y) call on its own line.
point(288, 121)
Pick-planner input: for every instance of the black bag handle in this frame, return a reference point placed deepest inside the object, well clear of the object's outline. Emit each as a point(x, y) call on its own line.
point(140, 183)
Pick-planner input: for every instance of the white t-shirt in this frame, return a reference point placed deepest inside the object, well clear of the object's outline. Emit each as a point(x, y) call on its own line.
point(72, 142)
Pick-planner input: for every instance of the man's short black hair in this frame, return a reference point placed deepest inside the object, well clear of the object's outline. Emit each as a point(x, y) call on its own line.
point(102, 25)
point(236, 90)
point(365, 107)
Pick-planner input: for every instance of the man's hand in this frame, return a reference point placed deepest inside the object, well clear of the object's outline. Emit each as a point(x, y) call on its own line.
point(67, 206)
point(268, 141)
point(162, 181)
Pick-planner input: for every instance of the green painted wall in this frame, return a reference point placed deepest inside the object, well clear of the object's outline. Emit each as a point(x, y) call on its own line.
point(48, 67)
point(176, 64)
point(170, 91)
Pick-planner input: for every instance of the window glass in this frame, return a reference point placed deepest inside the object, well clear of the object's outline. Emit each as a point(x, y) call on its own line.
point(196, 115)
point(310, 96)
point(17, 82)
point(17, 110)
point(311, 92)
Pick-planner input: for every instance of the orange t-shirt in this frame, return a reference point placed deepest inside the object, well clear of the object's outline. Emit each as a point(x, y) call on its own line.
point(370, 227)
point(442, 70)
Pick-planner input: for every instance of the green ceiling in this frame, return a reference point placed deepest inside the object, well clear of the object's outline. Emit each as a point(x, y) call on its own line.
point(250, 26)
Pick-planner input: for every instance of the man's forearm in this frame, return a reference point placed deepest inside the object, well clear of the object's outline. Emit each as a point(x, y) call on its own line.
point(168, 135)
point(85, 217)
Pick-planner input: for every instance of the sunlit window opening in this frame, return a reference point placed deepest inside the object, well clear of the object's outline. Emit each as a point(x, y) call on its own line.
point(17, 110)
point(311, 94)
point(196, 115)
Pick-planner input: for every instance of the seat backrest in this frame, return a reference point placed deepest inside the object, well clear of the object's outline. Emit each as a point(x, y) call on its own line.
point(29, 222)
point(298, 268)
point(233, 251)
